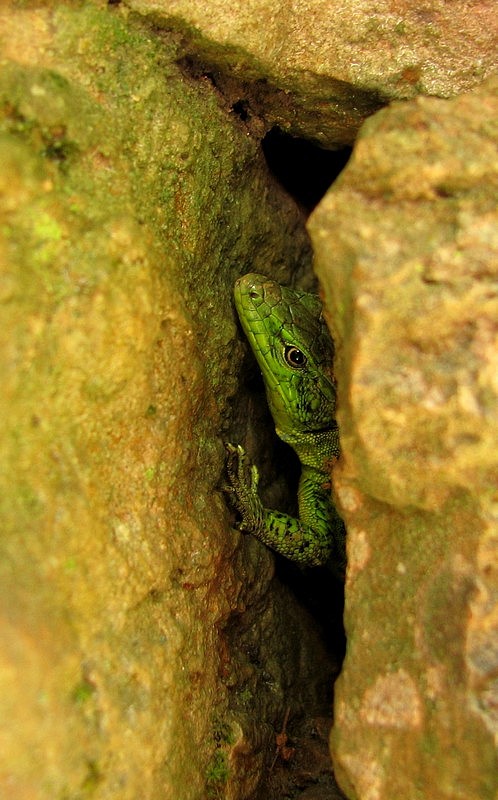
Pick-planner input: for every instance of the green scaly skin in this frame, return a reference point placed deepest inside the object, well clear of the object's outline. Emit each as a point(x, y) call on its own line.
point(294, 351)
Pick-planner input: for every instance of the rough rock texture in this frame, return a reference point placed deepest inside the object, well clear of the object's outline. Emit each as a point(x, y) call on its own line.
point(407, 252)
point(318, 68)
point(147, 650)
point(129, 201)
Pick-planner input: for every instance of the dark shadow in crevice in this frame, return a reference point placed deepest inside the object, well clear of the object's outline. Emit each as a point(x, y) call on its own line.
point(303, 169)
point(320, 592)
point(306, 172)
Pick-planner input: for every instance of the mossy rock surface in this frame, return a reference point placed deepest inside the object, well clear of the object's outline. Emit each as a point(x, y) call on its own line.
point(129, 202)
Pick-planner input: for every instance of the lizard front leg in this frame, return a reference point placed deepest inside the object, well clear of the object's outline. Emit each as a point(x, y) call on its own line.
point(243, 488)
point(291, 537)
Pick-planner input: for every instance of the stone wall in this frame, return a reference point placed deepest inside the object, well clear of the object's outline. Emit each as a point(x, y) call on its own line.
point(147, 648)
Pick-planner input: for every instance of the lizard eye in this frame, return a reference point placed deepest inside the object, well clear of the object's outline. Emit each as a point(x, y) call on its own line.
point(294, 357)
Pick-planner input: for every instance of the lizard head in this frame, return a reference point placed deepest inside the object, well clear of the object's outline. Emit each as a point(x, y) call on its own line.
point(294, 350)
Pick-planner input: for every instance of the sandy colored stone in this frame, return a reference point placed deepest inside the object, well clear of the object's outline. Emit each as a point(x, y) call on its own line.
point(407, 252)
point(129, 202)
point(318, 68)
point(147, 650)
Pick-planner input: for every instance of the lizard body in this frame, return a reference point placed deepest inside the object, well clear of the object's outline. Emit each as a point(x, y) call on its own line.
point(294, 350)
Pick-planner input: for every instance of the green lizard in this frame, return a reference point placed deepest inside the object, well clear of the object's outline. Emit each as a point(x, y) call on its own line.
point(294, 351)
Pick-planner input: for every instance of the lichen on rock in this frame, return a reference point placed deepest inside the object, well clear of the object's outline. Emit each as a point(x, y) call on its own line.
point(147, 648)
point(129, 201)
point(319, 69)
point(406, 250)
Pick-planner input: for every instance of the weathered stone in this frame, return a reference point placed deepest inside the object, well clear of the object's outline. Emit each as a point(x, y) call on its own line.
point(407, 251)
point(129, 201)
point(318, 68)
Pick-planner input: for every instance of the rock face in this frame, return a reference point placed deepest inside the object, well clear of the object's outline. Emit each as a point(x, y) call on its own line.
point(318, 68)
point(406, 248)
point(148, 651)
point(129, 201)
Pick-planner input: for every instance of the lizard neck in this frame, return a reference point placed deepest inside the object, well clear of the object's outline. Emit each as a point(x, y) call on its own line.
point(315, 449)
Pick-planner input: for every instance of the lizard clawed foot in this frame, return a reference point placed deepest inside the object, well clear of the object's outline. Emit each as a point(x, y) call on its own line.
point(243, 479)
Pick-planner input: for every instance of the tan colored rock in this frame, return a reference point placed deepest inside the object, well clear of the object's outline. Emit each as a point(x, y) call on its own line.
point(128, 204)
point(318, 68)
point(407, 252)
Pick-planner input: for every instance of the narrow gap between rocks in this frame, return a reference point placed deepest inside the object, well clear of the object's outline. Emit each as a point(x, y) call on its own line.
point(303, 169)
point(306, 172)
